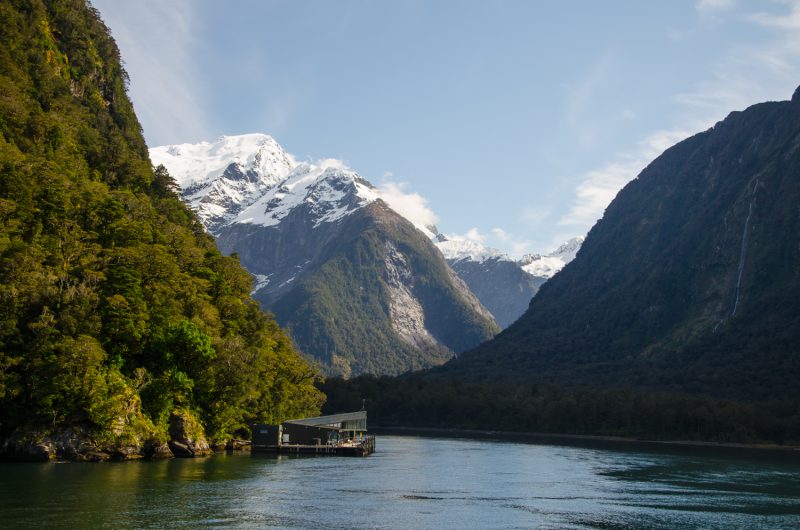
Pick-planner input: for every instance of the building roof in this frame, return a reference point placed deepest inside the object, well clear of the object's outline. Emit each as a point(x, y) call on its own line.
point(334, 420)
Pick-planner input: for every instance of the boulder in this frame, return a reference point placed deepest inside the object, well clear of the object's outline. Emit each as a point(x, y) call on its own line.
point(159, 451)
point(238, 445)
point(187, 437)
point(127, 452)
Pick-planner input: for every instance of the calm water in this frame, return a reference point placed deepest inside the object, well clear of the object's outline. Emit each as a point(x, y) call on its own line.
point(410, 483)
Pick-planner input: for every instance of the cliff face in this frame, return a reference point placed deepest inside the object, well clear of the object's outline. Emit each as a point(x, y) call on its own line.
point(689, 281)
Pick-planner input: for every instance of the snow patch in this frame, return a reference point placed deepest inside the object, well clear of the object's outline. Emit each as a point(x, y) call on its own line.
point(456, 248)
point(546, 266)
point(262, 280)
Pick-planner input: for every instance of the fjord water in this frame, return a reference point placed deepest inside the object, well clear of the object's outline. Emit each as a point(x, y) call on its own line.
point(411, 483)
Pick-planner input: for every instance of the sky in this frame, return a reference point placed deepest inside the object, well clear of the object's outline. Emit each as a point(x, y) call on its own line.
point(511, 123)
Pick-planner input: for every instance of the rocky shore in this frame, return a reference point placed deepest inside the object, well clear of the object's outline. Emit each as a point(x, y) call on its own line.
point(186, 440)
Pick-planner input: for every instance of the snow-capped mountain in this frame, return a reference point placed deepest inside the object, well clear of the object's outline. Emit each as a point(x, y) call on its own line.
point(504, 285)
point(460, 249)
point(221, 178)
point(360, 288)
point(545, 266)
point(329, 190)
point(241, 184)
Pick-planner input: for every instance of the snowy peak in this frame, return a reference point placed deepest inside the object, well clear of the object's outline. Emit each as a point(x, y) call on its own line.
point(328, 191)
point(546, 266)
point(250, 179)
point(569, 250)
point(218, 179)
point(460, 249)
point(193, 165)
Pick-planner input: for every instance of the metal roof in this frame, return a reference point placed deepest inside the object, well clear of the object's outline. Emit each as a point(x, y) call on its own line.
point(333, 418)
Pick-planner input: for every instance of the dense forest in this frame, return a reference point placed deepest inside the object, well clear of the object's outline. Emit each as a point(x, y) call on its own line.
point(117, 312)
point(418, 400)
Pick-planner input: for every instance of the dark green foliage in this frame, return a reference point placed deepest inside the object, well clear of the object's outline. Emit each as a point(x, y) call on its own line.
point(414, 401)
point(690, 282)
point(115, 307)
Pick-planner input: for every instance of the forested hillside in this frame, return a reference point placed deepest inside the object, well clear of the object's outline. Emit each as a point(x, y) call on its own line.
point(119, 319)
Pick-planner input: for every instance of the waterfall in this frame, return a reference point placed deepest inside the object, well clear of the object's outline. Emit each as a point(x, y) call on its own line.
point(743, 250)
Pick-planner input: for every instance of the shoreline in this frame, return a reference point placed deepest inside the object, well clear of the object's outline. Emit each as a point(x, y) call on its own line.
point(603, 442)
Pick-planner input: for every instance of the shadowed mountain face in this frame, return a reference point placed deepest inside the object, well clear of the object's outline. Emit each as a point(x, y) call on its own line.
point(501, 285)
point(690, 281)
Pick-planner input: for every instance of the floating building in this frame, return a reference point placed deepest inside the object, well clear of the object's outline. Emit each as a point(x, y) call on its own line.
point(337, 434)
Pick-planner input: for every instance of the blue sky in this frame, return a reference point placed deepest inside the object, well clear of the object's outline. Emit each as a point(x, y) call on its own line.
point(510, 122)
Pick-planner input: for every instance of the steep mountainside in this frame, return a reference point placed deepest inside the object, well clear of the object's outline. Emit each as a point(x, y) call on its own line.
point(381, 300)
point(360, 288)
point(122, 327)
point(503, 285)
point(690, 280)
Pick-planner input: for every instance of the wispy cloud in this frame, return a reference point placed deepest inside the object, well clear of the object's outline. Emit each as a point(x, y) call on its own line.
point(579, 97)
point(496, 238)
point(750, 73)
point(410, 205)
point(157, 40)
point(599, 187)
point(705, 6)
point(515, 244)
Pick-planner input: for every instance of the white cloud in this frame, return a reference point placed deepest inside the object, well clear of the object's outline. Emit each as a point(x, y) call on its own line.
point(500, 234)
point(497, 238)
point(157, 42)
point(474, 235)
point(535, 216)
point(412, 206)
point(599, 187)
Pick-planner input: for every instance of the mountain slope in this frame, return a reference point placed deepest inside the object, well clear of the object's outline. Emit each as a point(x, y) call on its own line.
point(382, 300)
point(358, 286)
point(121, 325)
point(690, 280)
point(503, 285)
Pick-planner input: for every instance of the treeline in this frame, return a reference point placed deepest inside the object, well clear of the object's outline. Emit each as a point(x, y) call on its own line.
point(414, 401)
point(117, 311)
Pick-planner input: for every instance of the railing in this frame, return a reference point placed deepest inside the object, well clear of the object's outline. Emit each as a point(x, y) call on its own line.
point(368, 444)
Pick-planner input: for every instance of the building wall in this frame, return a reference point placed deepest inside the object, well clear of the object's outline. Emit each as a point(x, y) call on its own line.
point(269, 435)
point(305, 435)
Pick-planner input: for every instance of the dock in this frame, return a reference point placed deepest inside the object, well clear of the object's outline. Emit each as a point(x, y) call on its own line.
point(336, 435)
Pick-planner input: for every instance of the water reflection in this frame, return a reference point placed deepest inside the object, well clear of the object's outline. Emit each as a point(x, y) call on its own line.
point(409, 483)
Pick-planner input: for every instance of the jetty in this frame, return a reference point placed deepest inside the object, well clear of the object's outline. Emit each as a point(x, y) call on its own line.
point(336, 434)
